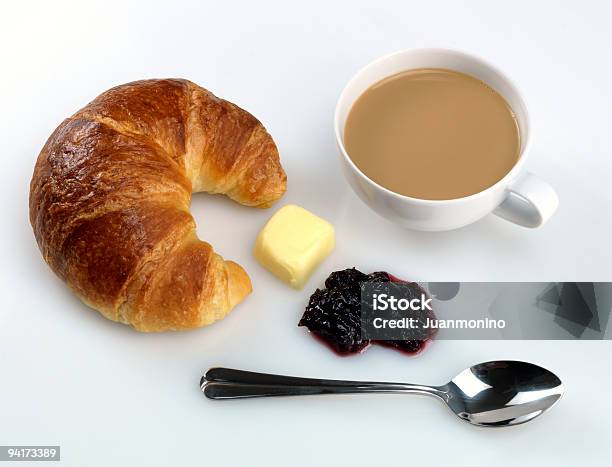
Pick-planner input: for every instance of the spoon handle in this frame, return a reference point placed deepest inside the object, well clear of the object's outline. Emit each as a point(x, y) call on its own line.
point(226, 383)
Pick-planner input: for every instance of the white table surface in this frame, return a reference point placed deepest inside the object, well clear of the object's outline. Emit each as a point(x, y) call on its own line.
point(111, 396)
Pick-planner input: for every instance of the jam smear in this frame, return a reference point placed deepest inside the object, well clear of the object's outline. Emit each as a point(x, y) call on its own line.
point(333, 314)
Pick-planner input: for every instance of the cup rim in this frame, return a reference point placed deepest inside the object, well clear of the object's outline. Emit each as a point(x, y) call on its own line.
point(433, 202)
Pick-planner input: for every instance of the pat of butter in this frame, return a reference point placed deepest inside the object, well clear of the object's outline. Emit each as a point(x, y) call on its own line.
point(293, 243)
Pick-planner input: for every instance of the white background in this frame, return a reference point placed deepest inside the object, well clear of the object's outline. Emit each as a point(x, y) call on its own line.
point(111, 396)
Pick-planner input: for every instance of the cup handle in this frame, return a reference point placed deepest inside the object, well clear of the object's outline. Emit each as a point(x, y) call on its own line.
point(530, 201)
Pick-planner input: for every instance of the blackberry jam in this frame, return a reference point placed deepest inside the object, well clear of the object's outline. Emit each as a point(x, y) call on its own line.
point(333, 314)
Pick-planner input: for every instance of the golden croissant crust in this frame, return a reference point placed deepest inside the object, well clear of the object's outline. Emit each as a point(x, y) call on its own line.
point(110, 194)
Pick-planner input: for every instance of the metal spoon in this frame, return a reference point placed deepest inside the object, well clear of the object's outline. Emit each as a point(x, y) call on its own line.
point(491, 394)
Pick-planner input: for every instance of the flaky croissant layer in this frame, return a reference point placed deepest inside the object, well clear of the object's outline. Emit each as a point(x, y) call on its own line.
point(110, 194)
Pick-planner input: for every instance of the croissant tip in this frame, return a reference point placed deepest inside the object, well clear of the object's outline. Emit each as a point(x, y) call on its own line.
point(239, 283)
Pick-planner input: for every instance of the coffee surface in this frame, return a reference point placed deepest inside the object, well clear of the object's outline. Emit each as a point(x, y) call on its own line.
point(432, 134)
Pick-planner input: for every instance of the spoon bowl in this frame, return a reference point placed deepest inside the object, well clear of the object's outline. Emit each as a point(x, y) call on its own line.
point(502, 393)
point(492, 394)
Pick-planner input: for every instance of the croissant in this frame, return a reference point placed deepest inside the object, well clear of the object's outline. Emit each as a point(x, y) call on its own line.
point(110, 195)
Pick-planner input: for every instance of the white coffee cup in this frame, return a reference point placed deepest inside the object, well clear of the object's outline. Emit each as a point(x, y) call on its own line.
point(519, 197)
